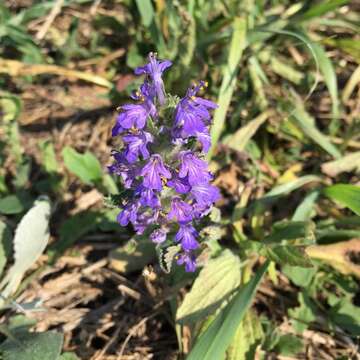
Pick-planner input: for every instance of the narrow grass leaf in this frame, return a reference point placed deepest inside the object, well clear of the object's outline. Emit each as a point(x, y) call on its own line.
point(214, 342)
point(328, 72)
point(146, 11)
point(239, 140)
point(322, 8)
point(237, 46)
point(345, 194)
point(306, 123)
point(350, 162)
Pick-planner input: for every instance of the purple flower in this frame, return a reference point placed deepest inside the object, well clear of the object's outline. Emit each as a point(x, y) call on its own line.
point(195, 169)
point(180, 185)
point(155, 70)
point(158, 236)
point(192, 117)
point(121, 167)
point(132, 115)
point(180, 210)
point(189, 260)
point(147, 197)
point(153, 171)
point(136, 145)
point(128, 214)
point(205, 194)
point(187, 236)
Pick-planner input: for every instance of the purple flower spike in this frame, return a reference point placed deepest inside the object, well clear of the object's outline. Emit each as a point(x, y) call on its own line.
point(158, 236)
point(155, 70)
point(129, 214)
point(131, 116)
point(187, 236)
point(180, 210)
point(136, 145)
point(194, 168)
point(153, 171)
point(167, 182)
point(188, 260)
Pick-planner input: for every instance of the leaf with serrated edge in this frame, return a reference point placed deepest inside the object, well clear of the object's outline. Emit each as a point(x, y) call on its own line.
point(215, 282)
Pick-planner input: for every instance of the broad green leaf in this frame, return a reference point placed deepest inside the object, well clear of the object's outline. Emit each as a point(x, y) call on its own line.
point(33, 346)
point(213, 343)
point(303, 315)
point(240, 138)
point(288, 254)
point(288, 344)
point(5, 245)
point(11, 204)
point(301, 232)
point(306, 123)
point(298, 275)
point(345, 194)
point(31, 238)
point(317, 10)
point(132, 256)
point(246, 338)
point(215, 282)
point(346, 315)
point(237, 46)
point(68, 356)
point(85, 166)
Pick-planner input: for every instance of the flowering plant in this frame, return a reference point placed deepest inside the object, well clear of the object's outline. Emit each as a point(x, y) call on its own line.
point(161, 163)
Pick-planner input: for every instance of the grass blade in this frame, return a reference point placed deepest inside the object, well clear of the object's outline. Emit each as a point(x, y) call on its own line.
point(322, 8)
point(214, 342)
point(346, 194)
point(237, 46)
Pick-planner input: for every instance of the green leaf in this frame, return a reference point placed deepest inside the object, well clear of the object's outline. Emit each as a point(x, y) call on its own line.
point(237, 46)
point(241, 137)
point(146, 11)
point(215, 340)
point(49, 162)
point(72, 229)
point(302, 232)
point(85, 166)
point(327, 69)
point(322, 8)
point(33, 346)
point(298, 275)
point(288, 345)
point(288, 254)
point(11, 204)
point(215, 282)
point(5, 245)
point(246, 338)
point(285, 189)
point(306, 208)
point(303, 315)
point(346, 315)
point(31, 237)
point(68, 356)
point(132, 256)
point(345, 194)
point(307, 124)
